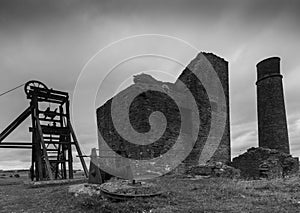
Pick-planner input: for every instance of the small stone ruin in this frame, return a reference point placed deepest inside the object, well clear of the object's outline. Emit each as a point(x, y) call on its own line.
point(261, 162)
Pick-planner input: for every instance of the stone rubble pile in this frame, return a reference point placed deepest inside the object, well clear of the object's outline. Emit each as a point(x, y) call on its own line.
point(214, 169)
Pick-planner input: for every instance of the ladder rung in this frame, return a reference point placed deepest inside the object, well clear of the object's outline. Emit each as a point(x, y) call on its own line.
point(53, 137)
point(54, 131)
point(52, 150)
point(49, 119)
point(52, 156)
point(59, 142)
point(54, 113)
point(51, 141)
point(58, 161)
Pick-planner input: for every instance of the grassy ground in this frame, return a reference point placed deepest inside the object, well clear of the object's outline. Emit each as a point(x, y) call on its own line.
point(204, 195)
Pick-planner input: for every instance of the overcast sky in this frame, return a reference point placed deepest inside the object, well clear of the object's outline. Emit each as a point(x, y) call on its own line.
point(52, 41)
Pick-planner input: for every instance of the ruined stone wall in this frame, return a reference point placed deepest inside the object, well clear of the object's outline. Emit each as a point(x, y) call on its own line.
point(139, 112)
point(223, 153)
point(206, 107)
point(152, 100)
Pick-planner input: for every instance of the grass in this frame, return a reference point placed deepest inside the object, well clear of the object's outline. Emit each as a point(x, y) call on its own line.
point(204, 195)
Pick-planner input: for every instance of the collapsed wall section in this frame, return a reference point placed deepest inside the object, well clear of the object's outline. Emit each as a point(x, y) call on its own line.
point(206, 106)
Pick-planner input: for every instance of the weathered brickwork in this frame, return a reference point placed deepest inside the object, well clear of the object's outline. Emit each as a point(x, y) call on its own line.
point(156, 99)
point(272, 124)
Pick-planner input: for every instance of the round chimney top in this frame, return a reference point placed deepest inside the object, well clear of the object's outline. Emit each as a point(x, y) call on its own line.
point(267, 67)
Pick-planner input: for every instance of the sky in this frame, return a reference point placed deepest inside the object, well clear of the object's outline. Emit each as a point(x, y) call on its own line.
point(52, 41)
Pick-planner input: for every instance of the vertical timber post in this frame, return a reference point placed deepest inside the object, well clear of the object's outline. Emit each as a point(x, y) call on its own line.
point(70, 158)
point(37, 147)
point(33, 170)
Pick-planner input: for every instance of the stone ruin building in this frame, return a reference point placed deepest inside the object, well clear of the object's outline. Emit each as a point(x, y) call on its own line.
point(152, 100)
point(272, 158)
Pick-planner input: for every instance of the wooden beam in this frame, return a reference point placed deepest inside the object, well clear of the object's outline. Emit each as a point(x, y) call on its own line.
point(51, 101)
point(78, 149)
point(36, 149)
point(44, 148)
point(48, 96)
point(61, 148)
point(70, 158)
point(16, 143)
point(15, 123)
point(15, 147)
point(52, 91)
